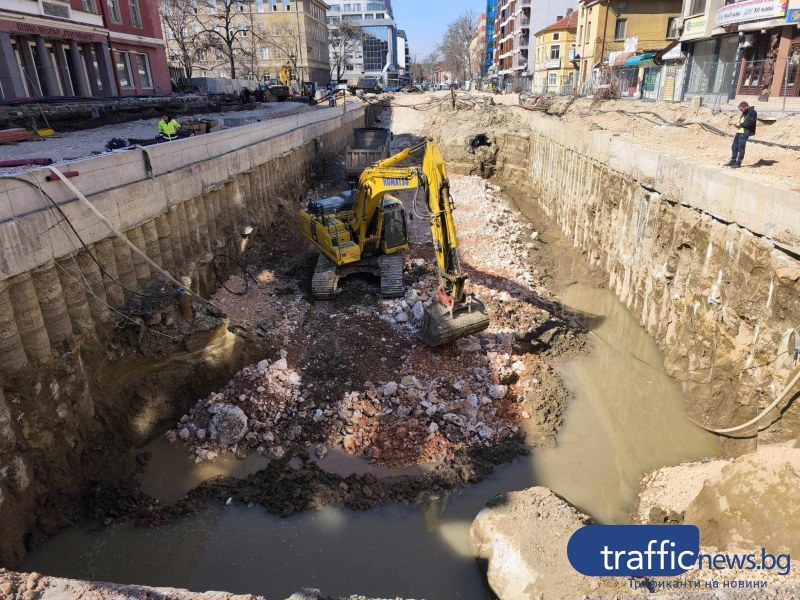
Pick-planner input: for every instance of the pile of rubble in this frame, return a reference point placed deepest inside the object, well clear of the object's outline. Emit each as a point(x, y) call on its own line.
point(267, 409)
point(425, 405)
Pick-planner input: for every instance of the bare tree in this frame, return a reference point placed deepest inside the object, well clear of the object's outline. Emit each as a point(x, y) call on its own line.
point(226, 25)
point(425, 69)
point(454, 46)
point(344, 39)
point(284, 43)
point(179, 18)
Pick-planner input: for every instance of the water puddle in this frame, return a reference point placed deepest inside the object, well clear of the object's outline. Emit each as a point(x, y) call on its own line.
point(172, 472)
point(625, 419)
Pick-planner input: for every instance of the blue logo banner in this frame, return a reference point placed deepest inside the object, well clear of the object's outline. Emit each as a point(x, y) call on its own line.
point(634, 550)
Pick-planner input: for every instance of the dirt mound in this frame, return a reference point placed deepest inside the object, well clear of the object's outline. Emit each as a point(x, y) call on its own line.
point(746, 502)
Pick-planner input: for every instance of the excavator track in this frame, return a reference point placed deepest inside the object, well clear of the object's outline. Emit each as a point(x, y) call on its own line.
point(392, 275)
point(325, 279)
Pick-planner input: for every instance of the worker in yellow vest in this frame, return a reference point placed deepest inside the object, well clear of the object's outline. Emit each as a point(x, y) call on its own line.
point(168, 128)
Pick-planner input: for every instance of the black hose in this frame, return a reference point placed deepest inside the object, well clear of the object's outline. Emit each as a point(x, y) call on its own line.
point(221, 282)
point(85, 247)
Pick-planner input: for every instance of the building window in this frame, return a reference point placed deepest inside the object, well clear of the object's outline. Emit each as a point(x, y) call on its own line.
point(212, 7)
point(672, 28)
point(555, 52)
point(123, 62)
point(619, 30)
point(143, 67)
point(89, 6)
point(376, 47)
point(552, 79)
point(697, 7)
point(623, 7)
point(260, 6)
point(556, 37)
point(264, 53)
point(114, 12)
point(136, 16)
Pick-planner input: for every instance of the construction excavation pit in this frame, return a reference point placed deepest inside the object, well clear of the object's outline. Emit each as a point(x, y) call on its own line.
point(242, 391)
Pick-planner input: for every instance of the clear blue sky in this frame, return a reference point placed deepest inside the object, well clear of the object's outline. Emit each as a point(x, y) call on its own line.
point(425, 21)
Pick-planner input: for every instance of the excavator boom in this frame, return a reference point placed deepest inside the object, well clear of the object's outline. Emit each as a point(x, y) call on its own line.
point(457, 313)
point(365, 231)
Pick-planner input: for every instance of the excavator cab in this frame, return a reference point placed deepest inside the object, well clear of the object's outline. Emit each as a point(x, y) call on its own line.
point(395, 231)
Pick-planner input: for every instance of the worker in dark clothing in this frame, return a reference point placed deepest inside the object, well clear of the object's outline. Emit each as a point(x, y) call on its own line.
point(246, 95)
point(744, 129)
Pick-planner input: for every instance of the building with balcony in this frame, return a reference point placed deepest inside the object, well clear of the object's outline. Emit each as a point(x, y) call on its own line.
point(81, 48)
point(377, 53)
point(515, 21)
point(477, 49)
point(622, 29)
point(555, 70)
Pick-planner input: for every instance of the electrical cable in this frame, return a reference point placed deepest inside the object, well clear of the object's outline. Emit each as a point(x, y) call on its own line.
point(221, 282)
point(87, 288)
point(758, 417)
point(64, 218)
point(704, 126)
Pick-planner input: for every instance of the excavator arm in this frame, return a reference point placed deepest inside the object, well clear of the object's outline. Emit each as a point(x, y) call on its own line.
point(458, 313)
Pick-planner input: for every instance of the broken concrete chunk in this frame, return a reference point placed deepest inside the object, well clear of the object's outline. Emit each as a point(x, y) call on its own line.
point(229, 423)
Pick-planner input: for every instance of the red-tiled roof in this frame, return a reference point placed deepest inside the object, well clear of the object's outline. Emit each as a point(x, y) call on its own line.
point(568, 22)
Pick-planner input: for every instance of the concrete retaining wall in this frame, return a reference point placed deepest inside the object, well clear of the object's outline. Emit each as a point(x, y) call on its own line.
point(180, 202)
point(688, 249)
point(76, 393)
point(705, 258)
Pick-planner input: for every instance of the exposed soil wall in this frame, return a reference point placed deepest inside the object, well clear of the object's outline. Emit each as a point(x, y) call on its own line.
point(719, 298)
point(79, 384)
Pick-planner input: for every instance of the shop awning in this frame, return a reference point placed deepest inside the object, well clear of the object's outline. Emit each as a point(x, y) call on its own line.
point(636, 61)
point(619, 59)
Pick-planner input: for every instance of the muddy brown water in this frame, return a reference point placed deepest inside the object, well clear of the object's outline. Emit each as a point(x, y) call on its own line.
point(624, 420)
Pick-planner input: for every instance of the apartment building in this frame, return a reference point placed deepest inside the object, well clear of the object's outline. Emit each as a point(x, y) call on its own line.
point(378, 53)
point(555, 54)
point(81, 48)
point(477, 48)
point(512, 36)
point(265, 36)
point(491, 17)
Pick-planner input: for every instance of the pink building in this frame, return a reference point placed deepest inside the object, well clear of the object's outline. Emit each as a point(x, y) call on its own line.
point(81, 48)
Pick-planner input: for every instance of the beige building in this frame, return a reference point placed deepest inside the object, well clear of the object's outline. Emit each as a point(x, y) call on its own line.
point(624, 28)
point(554, 70)
point(250, 39)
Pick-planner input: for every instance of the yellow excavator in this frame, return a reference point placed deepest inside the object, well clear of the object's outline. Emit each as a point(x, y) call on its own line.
point(364, 231)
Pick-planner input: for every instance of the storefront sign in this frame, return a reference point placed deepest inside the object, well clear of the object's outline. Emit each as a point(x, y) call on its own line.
point(694, 28)
point(54, 32)
point(749, 10)
point(793, 12)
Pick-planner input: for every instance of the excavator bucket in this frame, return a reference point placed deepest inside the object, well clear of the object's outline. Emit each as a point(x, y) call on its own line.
point(438, 328)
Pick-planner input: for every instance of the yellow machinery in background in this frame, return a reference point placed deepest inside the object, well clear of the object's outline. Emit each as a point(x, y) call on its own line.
point(364, 231)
